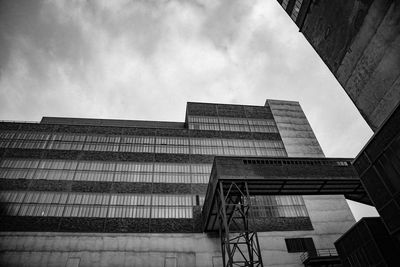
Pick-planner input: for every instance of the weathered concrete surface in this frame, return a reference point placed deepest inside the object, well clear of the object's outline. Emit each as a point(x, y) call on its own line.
point(330, 215)
point(296, 133)
point(54, 249)
point(360, 43)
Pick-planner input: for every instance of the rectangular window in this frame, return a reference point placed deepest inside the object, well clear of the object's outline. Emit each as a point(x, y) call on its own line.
point(299, 245)
point(285, 4)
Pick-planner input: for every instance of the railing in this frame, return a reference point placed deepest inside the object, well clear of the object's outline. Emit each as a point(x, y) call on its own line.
point(298, 161)
point(329, 252)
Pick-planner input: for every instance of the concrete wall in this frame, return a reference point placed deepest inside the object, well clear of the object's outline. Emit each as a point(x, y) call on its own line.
point(360, 43)
point(296, 133)
point(54, 249)
point(370, 70)
point(330, 216)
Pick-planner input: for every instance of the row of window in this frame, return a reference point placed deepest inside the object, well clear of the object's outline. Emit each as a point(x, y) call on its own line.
point(278, 206)
point(106, 166)
point(229, 120)
point(29, 197)
point(97, 211)
point(104, 176)
point(232, 124)
point(279, 211)
point(276, 201)
point(53, 138)
point(175, 145)
point(227, 151)
point(233, 127)
point(105, 171)
point(141, 140)
point(72, 204)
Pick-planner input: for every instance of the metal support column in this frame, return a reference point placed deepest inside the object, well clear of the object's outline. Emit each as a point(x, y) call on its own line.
point(239, 245)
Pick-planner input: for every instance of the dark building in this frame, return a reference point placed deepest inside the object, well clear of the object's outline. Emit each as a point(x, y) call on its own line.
point(368, 243)
point(90, 192)
point(378, 165)
point(360, 43)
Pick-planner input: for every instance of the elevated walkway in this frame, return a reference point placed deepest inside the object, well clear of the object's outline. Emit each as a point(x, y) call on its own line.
point(234, 180)
point(280, 176)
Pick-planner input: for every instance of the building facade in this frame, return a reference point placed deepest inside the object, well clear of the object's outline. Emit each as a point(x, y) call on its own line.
point(88, 192)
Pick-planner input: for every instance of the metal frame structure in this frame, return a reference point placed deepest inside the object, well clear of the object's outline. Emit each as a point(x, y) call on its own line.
point(234, 180)
point(239, 245)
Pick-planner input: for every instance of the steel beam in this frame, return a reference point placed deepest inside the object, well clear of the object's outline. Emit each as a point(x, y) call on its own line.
point(239, 245)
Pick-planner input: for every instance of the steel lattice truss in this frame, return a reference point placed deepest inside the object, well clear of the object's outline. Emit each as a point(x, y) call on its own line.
point(239, 245)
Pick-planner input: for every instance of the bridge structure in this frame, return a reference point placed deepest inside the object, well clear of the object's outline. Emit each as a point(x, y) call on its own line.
point(234, 180)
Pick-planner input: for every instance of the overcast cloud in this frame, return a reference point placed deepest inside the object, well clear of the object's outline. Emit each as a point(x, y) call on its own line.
point(146, 59)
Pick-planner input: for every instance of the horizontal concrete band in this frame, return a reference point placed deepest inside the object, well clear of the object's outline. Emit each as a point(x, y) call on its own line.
point(138, 225)
point(101, 187)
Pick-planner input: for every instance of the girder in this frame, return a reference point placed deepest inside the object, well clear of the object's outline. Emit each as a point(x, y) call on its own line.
point(239, 245)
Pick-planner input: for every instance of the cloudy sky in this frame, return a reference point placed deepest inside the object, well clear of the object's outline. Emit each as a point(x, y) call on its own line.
point(146, 59)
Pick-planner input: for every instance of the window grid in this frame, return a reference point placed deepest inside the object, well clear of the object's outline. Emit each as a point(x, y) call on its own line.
point(104, 171)
point(134, 205)
point(146, 144)
point(237, 147)
point(82, 204)
point(97, 205)
point(232, 124)
point(278, 206)
point(144, 172)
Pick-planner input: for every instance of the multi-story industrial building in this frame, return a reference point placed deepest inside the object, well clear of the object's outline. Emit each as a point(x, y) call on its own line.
point(92, 192)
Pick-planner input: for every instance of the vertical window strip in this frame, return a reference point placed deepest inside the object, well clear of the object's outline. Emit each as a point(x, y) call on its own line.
point(296, 10)
point(285, 4)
